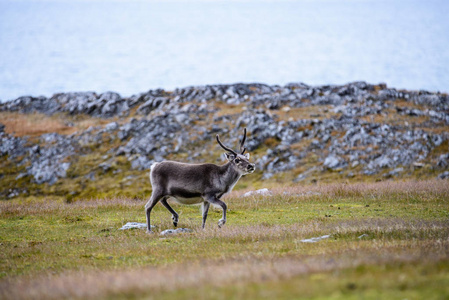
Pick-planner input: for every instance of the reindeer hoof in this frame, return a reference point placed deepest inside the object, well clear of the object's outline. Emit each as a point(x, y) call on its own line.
point(150, 232)
point(175, 224)
point(221, 222)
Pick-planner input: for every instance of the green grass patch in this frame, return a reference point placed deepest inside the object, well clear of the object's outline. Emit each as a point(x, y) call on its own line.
point(374, 229)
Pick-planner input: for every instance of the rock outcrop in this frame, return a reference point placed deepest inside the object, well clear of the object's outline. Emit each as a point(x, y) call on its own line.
point(356, 128)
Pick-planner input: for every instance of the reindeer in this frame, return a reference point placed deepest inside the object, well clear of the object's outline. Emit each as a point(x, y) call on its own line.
point(197, 183)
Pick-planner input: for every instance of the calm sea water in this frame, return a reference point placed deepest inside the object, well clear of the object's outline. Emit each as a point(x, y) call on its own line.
point(131, 46)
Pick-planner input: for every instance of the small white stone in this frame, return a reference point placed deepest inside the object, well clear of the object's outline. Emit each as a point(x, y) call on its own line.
point(134, 225)
point(257, 192)
point(175, 231)
point(316, 239)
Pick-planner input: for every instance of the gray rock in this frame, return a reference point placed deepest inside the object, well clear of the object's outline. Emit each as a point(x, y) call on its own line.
point(437, 140)
point(135, 225)
point(263, 192)
point(151, 103)
point(182, 118)
point(12, 146)
point(444, 175)
point(21, 175)
point(383, 162)
point(49, 162)
point(47, 171)
point(370, 171)
point(394, 172)
point(113, 126)
point(176, 231)
point(353, 137)
point(443, 161)
point(36, 149)
point(90, 176)
point(111, 104)
point(141, 163)
point(305, 174)
point(333, 162)
point(105, 166)
point(315, 239)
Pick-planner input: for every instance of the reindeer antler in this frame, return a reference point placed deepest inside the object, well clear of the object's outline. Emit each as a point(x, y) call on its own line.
point(243, 141)
point(226, 148)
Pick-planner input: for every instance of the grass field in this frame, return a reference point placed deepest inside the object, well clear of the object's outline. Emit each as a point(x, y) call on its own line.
point(388, 240)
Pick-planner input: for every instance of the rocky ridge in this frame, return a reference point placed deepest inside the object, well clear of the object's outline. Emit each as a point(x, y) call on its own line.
point(353, 130)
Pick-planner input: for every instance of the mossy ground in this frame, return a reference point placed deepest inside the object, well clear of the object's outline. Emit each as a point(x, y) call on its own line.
point(387, 240)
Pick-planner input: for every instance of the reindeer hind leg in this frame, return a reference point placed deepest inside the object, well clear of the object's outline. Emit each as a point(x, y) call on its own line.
point(175, 216)
point(154, 199)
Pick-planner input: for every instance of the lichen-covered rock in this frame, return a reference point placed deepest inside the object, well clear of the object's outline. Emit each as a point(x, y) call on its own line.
point(48, 162)
point(348, 130)
point(12, 146)
point(444, 175)
point(151, 103)
point(443, 161)
point(333, 162)
point(111, 126)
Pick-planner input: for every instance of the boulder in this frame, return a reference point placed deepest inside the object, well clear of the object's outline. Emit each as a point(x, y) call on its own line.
point(113, 126)
point(443, 161)
point(333, 162)
point(444, 175)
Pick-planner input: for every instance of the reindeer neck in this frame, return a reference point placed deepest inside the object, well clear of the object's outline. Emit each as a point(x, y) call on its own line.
point(230, 176)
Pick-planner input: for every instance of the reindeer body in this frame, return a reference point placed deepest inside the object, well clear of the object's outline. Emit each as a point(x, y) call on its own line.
point(189, 183)
point(196, 183)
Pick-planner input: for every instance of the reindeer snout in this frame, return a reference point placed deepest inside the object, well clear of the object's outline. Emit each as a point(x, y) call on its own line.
point(251, 168)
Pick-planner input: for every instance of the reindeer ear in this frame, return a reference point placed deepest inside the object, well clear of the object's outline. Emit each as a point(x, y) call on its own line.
point(229, 156)
point(247, 155)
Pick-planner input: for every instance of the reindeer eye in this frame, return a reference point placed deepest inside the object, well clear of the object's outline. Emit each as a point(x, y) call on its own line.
point(237, 160)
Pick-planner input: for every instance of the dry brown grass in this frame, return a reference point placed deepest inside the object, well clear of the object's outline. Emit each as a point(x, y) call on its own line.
point(404, 104)
point(224, 109)
point(431, 187)
point(319, 112)
point(96, 285)
point(33, 124)
point(36, 124)
point(45, 205)
point(391, 117)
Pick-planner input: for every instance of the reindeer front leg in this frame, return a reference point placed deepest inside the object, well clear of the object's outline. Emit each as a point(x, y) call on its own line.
point(214, 200)
point(205, 211)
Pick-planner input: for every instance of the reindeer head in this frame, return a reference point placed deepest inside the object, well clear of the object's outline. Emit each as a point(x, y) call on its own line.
point(239, 161)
